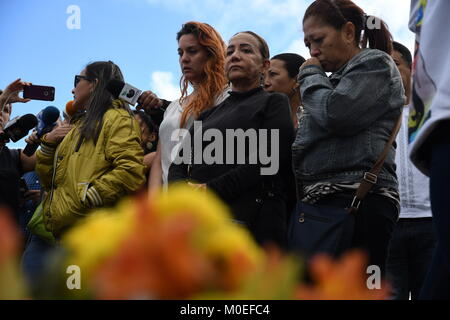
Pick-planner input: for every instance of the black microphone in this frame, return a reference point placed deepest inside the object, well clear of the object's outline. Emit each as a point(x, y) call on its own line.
point(18, 127)
point(46, 122)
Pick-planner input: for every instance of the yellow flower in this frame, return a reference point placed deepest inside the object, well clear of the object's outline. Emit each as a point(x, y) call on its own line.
point(173, 245)
point(98, 236)
point(215, 234)
point(225, 241)
point(180, 199)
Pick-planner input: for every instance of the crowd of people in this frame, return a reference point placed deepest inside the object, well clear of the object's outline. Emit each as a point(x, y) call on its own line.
point(272, 137)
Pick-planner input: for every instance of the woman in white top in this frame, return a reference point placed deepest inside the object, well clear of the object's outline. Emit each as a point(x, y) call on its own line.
point(201, 53)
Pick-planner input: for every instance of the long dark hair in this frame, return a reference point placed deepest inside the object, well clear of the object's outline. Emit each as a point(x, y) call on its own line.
point(100, 100)
point(337, 13)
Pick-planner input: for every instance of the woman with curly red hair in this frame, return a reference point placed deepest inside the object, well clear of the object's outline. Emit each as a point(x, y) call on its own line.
point(201, 53)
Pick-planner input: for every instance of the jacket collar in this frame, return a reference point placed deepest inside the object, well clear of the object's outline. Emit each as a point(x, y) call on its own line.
point(242, 95)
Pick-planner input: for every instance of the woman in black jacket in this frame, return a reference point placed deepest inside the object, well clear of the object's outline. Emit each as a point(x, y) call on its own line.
point(244, 154)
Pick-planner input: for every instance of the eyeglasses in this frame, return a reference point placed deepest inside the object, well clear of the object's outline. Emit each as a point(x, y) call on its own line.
point(78, 79)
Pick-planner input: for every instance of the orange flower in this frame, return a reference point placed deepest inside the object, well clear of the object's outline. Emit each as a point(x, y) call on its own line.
point(175, 250)
point(11, 282)
point(10, 239)
point(274, 278)
point(157, 261)
point(175, 245)
point(344, 279)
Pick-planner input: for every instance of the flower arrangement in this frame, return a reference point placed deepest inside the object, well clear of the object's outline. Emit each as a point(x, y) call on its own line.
point(178, 245)
point(182, 244)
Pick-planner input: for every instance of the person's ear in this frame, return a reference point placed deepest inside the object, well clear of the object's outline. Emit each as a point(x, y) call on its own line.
point(152, 137)
point(93, 85)
point(348, 33)
point(265, 65)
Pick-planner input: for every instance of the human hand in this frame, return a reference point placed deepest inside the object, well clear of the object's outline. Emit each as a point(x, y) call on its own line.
point(57, 134)
point(11, 92)
point(311, 62)
point(33, 195)
point(33, 138)
point(148, 101)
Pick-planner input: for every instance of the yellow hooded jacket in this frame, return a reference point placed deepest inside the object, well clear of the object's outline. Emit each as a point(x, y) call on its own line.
point(93, 176)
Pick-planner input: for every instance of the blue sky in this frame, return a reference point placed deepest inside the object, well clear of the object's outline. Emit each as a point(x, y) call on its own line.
point(139, 35)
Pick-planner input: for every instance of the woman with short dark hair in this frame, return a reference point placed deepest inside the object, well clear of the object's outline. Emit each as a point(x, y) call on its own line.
point(282, 77)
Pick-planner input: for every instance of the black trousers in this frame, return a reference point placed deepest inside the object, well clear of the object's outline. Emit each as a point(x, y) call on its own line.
point(410, 252)
point(374, 224)
point(437, 284)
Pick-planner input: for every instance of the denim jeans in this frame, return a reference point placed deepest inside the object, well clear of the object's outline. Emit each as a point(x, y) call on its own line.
point(437, 283)
point(410, 252)
point(34, 260)
point(374, 224)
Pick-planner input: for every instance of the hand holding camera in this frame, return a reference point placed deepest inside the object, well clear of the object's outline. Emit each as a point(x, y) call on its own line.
point(11, 92)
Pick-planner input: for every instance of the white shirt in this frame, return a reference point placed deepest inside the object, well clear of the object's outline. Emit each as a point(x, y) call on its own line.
point(413, 185)
point(169, 133)
point(170, 123)
point(431, 74)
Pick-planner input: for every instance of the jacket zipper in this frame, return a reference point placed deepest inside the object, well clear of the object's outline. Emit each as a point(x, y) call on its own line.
point(55, 162)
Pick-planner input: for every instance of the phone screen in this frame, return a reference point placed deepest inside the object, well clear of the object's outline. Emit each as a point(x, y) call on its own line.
point(39, 93)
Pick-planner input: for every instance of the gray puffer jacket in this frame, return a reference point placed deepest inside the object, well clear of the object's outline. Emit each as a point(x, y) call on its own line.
point(347, 120)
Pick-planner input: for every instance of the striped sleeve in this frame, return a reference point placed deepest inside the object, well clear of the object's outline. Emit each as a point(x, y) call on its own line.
point(94, 197)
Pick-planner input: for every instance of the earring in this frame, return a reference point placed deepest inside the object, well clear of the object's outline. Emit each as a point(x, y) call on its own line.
point(294, 91)
point(149, 145)
point(261, 79)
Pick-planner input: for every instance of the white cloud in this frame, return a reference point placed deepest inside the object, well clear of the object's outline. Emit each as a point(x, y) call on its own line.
point(163, 85)
point(395, 14)
point(279, 21)
point(298, 46)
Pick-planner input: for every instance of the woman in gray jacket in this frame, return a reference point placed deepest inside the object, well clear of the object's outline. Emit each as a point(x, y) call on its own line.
point(348, 118)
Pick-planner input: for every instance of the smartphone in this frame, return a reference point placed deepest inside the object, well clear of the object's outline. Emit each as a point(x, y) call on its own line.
point(39, 93)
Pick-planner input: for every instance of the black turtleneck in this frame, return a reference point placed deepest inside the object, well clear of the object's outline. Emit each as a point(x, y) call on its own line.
point(254, 109)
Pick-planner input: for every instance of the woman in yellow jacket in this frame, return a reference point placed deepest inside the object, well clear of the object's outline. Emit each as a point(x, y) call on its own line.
point(94, 160)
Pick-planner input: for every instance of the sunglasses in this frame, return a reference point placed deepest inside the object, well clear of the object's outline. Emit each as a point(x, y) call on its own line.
point(78, 79)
